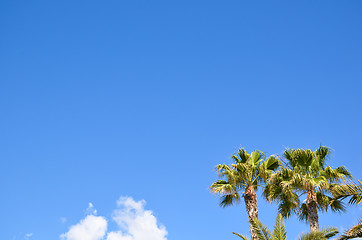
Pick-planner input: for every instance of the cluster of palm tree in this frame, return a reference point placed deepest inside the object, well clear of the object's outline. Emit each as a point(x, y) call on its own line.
point(284, 181)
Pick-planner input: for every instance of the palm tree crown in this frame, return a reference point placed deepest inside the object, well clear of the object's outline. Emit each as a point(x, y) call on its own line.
point(248, 170)
point(306, 172)
point(242, 178)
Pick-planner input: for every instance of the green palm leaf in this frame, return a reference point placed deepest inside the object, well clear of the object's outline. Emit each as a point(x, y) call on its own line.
point(241, 236)
point(351, 190)
point(262, 231)
point(229, 199)
point(323, 234)
point(279, 232)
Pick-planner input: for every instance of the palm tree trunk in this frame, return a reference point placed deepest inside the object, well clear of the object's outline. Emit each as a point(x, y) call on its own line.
point(312, 205)
point(251, 208)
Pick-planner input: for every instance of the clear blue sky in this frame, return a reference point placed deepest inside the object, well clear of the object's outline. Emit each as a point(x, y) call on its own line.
point(102, 99)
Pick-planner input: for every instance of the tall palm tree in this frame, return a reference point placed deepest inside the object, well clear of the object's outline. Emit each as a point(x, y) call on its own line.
point(306, 173)
point(280, 233)
point(241, 180)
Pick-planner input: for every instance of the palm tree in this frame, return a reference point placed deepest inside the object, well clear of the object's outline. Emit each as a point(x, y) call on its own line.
point(280, 233)
point(241, 180)
point(306, 172)
point(353, 191)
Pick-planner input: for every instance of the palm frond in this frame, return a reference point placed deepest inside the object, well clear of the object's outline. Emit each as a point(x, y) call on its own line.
point(287, 205)
point(241, 236)
point(241, 156)
point(268, 167)
point(336, 175)
point(323, 152)
point(321, 155)
point(255, 158)
point(284, 195)
point(320, 182)
point(325, 202)
point(303, 213)
point(288, 154)
point(229, 199)
point(323, 234)
point(302, 157)
point(279, 232)
point(222, 187)
point(262, 231)
point(349, 190)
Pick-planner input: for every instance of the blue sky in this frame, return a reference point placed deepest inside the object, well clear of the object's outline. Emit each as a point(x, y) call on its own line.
point(141, 99)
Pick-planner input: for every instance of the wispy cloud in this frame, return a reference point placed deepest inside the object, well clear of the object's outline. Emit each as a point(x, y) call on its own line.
point(133, 220)
point(91, 210)
point(28, 235)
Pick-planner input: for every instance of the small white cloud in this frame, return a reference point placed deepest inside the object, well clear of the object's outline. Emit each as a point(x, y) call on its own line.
point(28, 235)
point(90, 228)
point(63, 220)
point(91, 210)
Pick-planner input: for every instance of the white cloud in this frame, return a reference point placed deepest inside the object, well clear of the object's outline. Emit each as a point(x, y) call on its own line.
point(90, 228)
point(133, 220)
point(63, 220)
point(136, 222)
point(118, 236)
point(28, 235)
point(91, 210)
